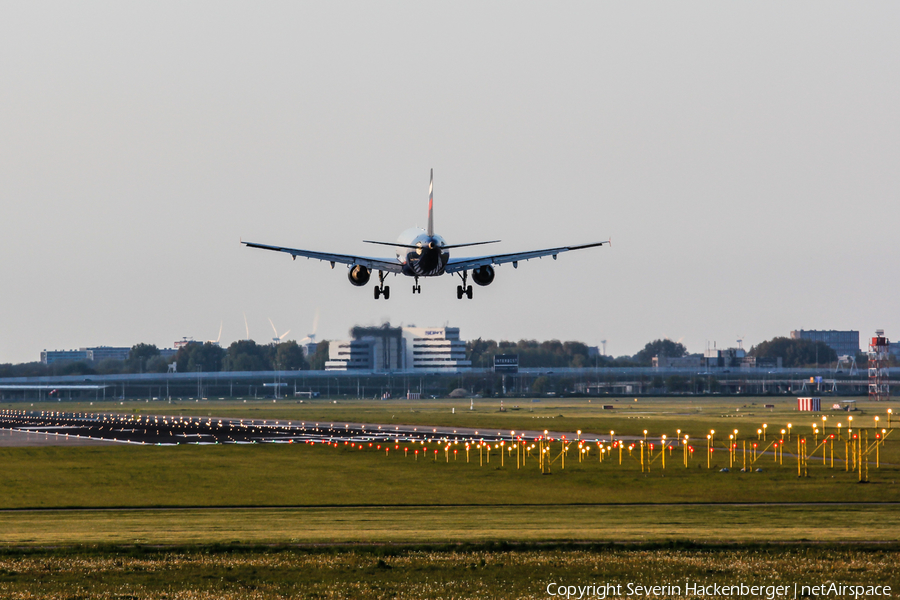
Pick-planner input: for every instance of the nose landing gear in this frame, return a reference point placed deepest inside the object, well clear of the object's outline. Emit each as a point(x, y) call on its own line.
point(381, 289)
point(417, 289)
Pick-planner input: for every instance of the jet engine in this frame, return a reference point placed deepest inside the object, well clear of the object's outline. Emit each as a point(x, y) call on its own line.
point(483, 275)
point(359, 275)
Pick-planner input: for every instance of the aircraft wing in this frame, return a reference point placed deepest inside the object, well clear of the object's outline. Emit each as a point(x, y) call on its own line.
point(376, 264)
point(473, 262)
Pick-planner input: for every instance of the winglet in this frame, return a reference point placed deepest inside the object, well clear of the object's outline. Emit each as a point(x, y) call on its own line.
point(431, 204)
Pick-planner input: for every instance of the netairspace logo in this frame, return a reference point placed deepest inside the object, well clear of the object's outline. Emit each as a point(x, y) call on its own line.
point(603, 591)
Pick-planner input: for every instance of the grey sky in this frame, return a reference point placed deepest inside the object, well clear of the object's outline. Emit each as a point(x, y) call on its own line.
point(743, 157)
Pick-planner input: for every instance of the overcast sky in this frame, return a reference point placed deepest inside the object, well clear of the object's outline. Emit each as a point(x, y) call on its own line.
point(743, 156)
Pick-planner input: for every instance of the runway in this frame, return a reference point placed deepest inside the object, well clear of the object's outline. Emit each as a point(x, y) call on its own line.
point(64, 428)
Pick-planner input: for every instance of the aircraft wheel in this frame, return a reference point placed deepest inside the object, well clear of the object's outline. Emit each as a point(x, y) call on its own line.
point(377, 292)
point(387, 292)
point(459, 292)
point(469, 292)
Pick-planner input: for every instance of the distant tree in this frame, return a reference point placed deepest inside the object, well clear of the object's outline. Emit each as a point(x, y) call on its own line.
point(532, 354)
point(795, 353)
point(72, 367)
point(659, 348)
point(138, 357)
point(540, 385)
point(195, 356)
point(156, 364)
point(109, 366)
point(247, 355)
point(29, 369)
point(481, 352)
point(317, 360)
point(290, 356)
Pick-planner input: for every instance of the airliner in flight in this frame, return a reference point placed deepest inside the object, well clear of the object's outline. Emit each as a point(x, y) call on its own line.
point(421, 253)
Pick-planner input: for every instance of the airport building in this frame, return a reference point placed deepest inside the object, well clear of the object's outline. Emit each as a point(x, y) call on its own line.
point(378, 353)
point(387, 349)
point(108, 352)
point(48, 357)
point(845, 343)
point(435, 349)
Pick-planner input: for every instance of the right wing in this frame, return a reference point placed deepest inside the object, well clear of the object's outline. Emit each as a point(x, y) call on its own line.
point(473, 262)
point(375, 264)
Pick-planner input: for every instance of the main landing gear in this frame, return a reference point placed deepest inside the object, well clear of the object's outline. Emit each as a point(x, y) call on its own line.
point(464, 290)
point(417, 289)
point(381, 289)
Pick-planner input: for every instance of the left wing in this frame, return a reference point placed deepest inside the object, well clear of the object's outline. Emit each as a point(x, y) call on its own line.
point(473, 262)
point(378, 264)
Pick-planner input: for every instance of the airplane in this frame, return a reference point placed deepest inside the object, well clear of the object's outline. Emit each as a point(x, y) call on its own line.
point(422, 253)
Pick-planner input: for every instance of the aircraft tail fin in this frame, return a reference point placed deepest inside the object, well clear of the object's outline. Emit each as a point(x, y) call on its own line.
point(431, 205)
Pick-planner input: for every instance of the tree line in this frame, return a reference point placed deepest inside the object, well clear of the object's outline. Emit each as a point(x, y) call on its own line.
point(247, 355)
point(242, 355)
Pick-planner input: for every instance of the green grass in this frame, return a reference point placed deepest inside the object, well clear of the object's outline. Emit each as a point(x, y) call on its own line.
point(304, 475)
point(344, 494)
point(426, 573)
point(467, 524)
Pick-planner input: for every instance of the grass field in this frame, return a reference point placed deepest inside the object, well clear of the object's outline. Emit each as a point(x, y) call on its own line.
point(429, 573)
point(294, 520)
point(345, 494)
point(455, 524)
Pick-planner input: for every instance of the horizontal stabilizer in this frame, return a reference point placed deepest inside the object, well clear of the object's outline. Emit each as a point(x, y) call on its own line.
point(394, 244)
point(472, 244)
point(398, 245)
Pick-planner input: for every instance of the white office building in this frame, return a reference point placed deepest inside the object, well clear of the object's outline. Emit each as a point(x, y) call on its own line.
point(435, 349)
point(386, 349)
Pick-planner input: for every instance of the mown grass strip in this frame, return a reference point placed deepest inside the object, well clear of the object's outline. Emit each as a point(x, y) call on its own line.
point(610, 524)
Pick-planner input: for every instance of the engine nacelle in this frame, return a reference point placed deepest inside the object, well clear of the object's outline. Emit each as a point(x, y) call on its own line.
point(483, 275)
point(359, 275)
